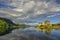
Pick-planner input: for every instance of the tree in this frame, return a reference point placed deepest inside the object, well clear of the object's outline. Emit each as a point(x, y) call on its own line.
point(17, 26)
point(3, 27)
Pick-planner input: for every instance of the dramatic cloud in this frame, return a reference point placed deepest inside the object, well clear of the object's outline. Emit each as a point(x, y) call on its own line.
point(23, 10)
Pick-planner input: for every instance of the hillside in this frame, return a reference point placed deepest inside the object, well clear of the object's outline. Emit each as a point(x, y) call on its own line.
point(6, 26)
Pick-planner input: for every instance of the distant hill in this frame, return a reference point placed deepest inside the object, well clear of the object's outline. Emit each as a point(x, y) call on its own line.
point(7, 20)
point(6, 25)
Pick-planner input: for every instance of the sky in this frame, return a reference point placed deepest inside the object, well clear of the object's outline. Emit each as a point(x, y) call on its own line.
point(30, 11)
point(53, 19)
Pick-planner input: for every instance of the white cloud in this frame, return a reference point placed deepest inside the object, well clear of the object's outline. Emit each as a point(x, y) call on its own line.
point(34, 24)
point(30, 9)
point(55, 9)
point(53, 15)
point(19, 10)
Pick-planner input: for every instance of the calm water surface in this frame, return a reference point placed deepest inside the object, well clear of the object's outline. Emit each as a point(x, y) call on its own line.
point(32, 34)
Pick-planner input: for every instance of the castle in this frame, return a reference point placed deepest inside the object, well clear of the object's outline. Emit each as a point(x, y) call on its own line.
point(46, 25)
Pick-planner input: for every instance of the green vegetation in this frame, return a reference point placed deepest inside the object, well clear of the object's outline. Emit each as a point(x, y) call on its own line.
point(36, 26)
point(17, 26)
point(3, 26)
point(7, 26)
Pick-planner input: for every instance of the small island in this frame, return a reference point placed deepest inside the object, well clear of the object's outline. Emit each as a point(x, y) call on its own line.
point(46, 26)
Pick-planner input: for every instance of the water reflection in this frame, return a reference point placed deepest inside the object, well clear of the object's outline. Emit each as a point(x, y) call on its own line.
point(51, 32)
point(47, 31)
